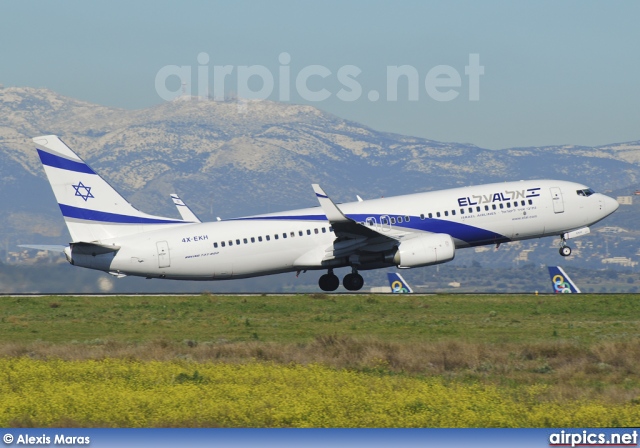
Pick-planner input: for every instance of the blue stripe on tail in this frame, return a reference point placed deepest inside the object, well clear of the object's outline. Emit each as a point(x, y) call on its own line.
point(69, 211)
point(64, 164)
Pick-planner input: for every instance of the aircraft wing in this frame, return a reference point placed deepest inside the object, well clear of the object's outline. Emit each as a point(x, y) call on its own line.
point(353, 237)
point(343, 227)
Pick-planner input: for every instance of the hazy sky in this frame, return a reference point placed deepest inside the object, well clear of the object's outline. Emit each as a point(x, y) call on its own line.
point(556, 72)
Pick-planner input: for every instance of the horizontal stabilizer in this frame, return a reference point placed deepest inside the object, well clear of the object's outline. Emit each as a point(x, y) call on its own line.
point(49, 247)
point(93, 248)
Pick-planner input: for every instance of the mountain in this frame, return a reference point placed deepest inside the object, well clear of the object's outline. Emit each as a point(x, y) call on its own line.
point(230, 158)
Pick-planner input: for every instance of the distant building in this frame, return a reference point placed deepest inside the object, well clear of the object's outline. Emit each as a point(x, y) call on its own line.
point(380, 289)
point(622, 261)
point(612, 229)
point(625, 200)
point(524, 255)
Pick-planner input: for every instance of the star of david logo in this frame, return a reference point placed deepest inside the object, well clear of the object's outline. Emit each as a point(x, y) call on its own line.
point(82, 191)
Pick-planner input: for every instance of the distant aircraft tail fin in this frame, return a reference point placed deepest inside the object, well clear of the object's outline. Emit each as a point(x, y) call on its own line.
point(561, 282)
point(93, 210)
point(398, 284)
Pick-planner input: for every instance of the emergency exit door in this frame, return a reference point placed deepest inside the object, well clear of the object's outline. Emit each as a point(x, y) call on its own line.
point(164, 261)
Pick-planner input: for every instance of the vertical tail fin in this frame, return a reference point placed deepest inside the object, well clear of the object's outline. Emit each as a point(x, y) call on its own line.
point(93, 210)
point(561, 282)
point(398, 284)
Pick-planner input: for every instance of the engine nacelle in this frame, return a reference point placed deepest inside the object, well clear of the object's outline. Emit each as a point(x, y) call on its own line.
point(424, 251)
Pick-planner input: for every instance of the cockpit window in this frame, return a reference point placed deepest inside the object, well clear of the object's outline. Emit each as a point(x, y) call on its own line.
point(585, 192)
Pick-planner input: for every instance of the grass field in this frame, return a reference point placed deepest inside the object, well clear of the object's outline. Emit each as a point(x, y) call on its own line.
point(512, 360)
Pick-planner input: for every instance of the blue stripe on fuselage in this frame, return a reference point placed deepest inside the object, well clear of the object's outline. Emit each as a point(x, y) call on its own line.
point(464, 232)
point(64, 164)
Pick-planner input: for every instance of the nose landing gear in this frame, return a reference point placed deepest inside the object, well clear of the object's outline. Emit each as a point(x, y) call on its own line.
point(565, 250)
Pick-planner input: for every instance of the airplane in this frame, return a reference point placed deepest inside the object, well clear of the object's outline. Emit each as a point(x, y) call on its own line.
point(561, 282)
point(410, 231)
point(398, 284)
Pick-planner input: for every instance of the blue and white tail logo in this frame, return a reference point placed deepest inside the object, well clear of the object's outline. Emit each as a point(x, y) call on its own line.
point(561, 282)
point(398, 284)
point(93, 210)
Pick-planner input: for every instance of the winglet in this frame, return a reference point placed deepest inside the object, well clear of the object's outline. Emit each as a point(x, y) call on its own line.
point(334, 215)
point(184, 210)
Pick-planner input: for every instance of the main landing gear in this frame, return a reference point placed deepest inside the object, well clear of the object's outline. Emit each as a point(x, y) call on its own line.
point(565, 250)
point(351, 282)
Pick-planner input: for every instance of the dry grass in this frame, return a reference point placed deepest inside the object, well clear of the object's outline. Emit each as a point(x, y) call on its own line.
point(608, 371)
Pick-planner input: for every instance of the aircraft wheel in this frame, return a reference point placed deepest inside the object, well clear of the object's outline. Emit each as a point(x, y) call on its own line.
point(565, 251)
point(329, 282)
point(353, 282)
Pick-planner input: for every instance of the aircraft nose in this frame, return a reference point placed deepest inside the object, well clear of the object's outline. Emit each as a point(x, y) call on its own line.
point(610, 205)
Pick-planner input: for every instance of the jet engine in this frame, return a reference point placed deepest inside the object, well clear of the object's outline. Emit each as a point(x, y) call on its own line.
point(424, 251)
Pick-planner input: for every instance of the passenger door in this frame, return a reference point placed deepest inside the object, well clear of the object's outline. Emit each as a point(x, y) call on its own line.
point(556, 199)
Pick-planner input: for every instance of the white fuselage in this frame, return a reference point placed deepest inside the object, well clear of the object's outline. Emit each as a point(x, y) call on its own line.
point(299, 239)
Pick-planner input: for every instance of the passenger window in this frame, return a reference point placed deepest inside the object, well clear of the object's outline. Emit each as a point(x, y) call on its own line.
point(421, 215)
point(446, 213)
point(330, 229)
point(462, 211)
point(284, 235)
point(293, 234)
point(245, 241)
point(430, 215)
point(486, 208)
point(324, 230)
point(393, 220)
point(508, 204)
point(406, 218)
point(501, 205)
point(260, 239)
point(438, 214)
point(493, 206)
point(253, 239)
point(471, 209)
point(215, 245)
point(453, 213)
point(268, 238)
point(238, 242)
point(275, 236)
point(478, 208)
point(315, 231)
point(222, 243)
point(300, 232)
point(230, 243)
point(399, 219)
point(530, 202)
point(523, 203)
